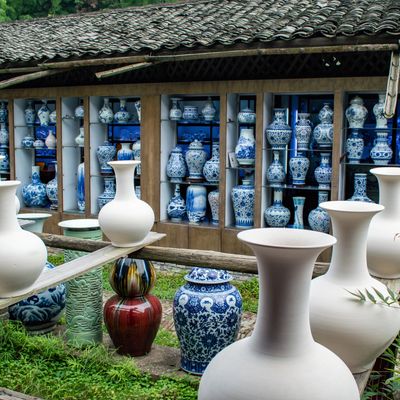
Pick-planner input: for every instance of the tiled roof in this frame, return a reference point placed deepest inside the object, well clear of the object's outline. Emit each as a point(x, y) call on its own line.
point(194, 24)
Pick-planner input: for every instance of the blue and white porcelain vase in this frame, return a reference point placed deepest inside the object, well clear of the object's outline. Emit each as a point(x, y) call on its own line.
point(276, 173)
point(34, 193)
point(122, 116)
point(52, 189)
point(381, 153)
point(196, 203)
point(3, 136)
point(245, 149)
point(175, 113)
point(176, 166)
point(79, 111)
point(243, 197)
point(38, 144)
point(354, 147)
point(299, 166)
point(323, 173)
point(323, 132)
point(51, 140)
point(3, 112)
point(277, 215)
point(207, 312)
point(379, 112)
point(136, 149)
point(319, 219)
point(246, 116)
point(360, 188)
point(27, 142)
point(106, 115)
point(195, 159)
point(80, 187)
point(211, 167)
point(356, 113)
point(176, 208)
point(109, 192)
point(213, 200)
point(40, 312)
point(4, 160)
point(125, 152)
point(44, 114)
point(303, 131)
point(53, 117)
point(30, 114)
point(190, 113)
point(80, 139)
point(279, 132)
point(208, 111)
point(298, 202)
point(105, 153)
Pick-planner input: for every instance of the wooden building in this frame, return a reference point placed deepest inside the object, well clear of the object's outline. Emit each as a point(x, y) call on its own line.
point(260, 54)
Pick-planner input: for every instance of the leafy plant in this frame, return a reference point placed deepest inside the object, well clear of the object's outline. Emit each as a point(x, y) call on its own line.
point(390, 300)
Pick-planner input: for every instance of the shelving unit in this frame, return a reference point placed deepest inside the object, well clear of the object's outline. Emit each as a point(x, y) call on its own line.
point(4, 148)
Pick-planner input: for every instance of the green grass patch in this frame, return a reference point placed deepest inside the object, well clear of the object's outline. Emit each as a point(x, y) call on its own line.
point(166, 338)
point(56, 258)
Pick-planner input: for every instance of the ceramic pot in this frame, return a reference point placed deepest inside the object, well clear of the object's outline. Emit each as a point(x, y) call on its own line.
point(3, 136)
point(318, 219)
point(213, 200)
point(38, 218)
point(243, 197)
point(360, 188)
point(275, 173)
point(38, 144)
point(298, 202)
point(122, 116)
point(3, 112)
point(279, 132)
point(106, 115)
point(196, 203)
point(208, 111)
point(246, 116)
point(176, 208)
point(51, 140)
point(44, 114)
point(4, 161)
point(52, 190)
point(27, 142)
point(176, 166)
point(125, 152)
point(206, 296)
point(22, 254)
point(53, 117)
point(354, 147)
point(109, 192)
point(323, 173)
point(373, 326)
point(356, 113)
point(299, 166)
point(381, 153)
point(39, 313)
point(383, 246)
point(211, 167)
point(80, 187)
point(277, 215)
point(281, 344)
point(79, 111)
point(190, 113)
point(30, 114)
point(34, 193)
point(105, 153)
point(195, 159)
point(379, 112)
point(80, 139)
point(136, 150)
point(175, 113)
point(323, 132)
point(303, 131)
point(245, 149)
point(117, 218)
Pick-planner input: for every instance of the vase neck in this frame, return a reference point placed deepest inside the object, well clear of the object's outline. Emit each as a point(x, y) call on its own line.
point(124, 175)
point(177, 191)
point(278, 196)
point(8, 218)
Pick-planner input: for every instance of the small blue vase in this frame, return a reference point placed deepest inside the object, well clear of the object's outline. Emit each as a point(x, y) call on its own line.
point(176, 166)
point(245, 149)
point(243, 197)
point(277, 215)
point(195, 159)
point(278, 132)
point(44, 114)
point(105, 153)
point(109, 192)
point(323, 132)
point(196, 203)
point(275, 172)
point(5, 162)
point(176, 208)
point(80, 189)
point(298, 202)
point(27, 142)
point(52, 190)
point(125, 153)
point(381, 153)
point(354, 147)
point(122, 116)
point(211, 167)
point(323, 173)
point(34, 194)
point(30, 114)
point(207, 312)
point(299, 165)
point(360, 188)
point(318, 218)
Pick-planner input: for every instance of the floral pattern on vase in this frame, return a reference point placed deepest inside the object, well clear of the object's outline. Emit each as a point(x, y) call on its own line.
point(125, 152)
point(44, 114)
point(208, 111)
point(275, 173)
point(356, 113)
point(319, 219)
point(34, 193)
point(277, 215)
point(196, 203)
point(195, 160)
point(298, 202)
point(207, 296)
point(279, 132)
point(4, 160)
point(106, 115)
point(303, 131)
point(247, 116)
point(381, 153)
point(27, 142)
point(122, 116)
point(323, 132)
point(52, 189)
point(299, 166)
point(323, 173)
point(109, 192)
point(378, 110)
point(211, 167)
point(213, 200)
point(354, 147)
point(360, 188)
point(80, 190)
point(3, 136)
point(175, 113)
point(136, 156)
point(243, 197)
point(176, 208)
point(30, 114)
point(176, 166)
point(245, 149)
point(105, 153)
point(190, 113)
point(3, 112)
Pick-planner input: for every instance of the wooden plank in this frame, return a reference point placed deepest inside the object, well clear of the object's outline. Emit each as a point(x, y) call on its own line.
point(222, 156)
point(258, 178)
point(124, 69)
point(28, 77)
point(204, 238)
point(177, 234)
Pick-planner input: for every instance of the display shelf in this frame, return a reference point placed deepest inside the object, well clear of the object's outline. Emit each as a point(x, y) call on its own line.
point(185, 222)
point(296, 187)
point(195, 123)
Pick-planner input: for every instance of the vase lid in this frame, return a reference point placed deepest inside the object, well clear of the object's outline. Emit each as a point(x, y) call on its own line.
point(208, 276)
point(196, 144)
point(247, 110)
point(107, 143)
point(357, 100)
point(176, 149)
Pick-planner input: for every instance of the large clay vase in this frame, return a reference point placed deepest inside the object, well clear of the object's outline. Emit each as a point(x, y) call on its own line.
point(281, 344)
point(357, 332)
point(22, 254)
point(126, 220)
point(383, 247)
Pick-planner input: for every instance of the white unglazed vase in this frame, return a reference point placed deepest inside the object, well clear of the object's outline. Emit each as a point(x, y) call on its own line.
point(38, 221)
point(22, 254)
point(383, 246)
point(358, 332)
point(126, 220)
point(281, 346)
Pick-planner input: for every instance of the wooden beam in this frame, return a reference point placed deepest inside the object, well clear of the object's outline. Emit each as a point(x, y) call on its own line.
point(392, 89)
point(19, 70)
point(28, 77)
point(122, 70)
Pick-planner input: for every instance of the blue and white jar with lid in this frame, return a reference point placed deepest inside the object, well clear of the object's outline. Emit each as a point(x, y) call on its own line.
point(176, 166)
point(356, 113)
point(195, 159)
point(279, 132)
point(318, 218)
point(323, 132)
point(207, 312)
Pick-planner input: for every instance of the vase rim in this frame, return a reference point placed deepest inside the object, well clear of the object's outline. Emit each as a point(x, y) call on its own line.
point(123, 162)
point(386, 171)
point(33, 215)
point(9, 183)
point(286, 238)
point(348, 206)
point(80, 224)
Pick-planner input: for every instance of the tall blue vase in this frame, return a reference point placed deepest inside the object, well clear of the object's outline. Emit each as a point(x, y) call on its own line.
point(196, 203)
point(176, 208)
point(80, 190)
point(34, 193)
point(243, 197)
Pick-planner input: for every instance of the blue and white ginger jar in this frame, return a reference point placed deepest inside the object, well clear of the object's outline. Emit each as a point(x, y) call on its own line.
point(276, 173)
point(213, 200)
point(379, 112)
point(40, 312)
point(211, 167)
point(298, 166)
point(122, 116)
point(195, 159)
point(30, 114)
point(354, 147)
point(80, 189)
point(243, 197)
point(247, 116)
point(277, 215)
point(381, 153)
point(79, 111)
point(279, 132)
point(360, 188)
point(196, 203)
point(208, 111)
point(207, 312)
point(190, 113)
point(44, 114)
point(319, 219)
point(106, 115)
point(109, 192)
point(176, 166)
point(34, 194)
point(176, 208)
point(356, 113)
point(3, 112)
point(323, 173)
point(4, 162)
point(105, 153)
point(3, 136)
point(27, 142)
point(323, 132)
point(125, 152)
point(52, 190)
point(136, 149)
point(245, 149)
point(303, 131)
